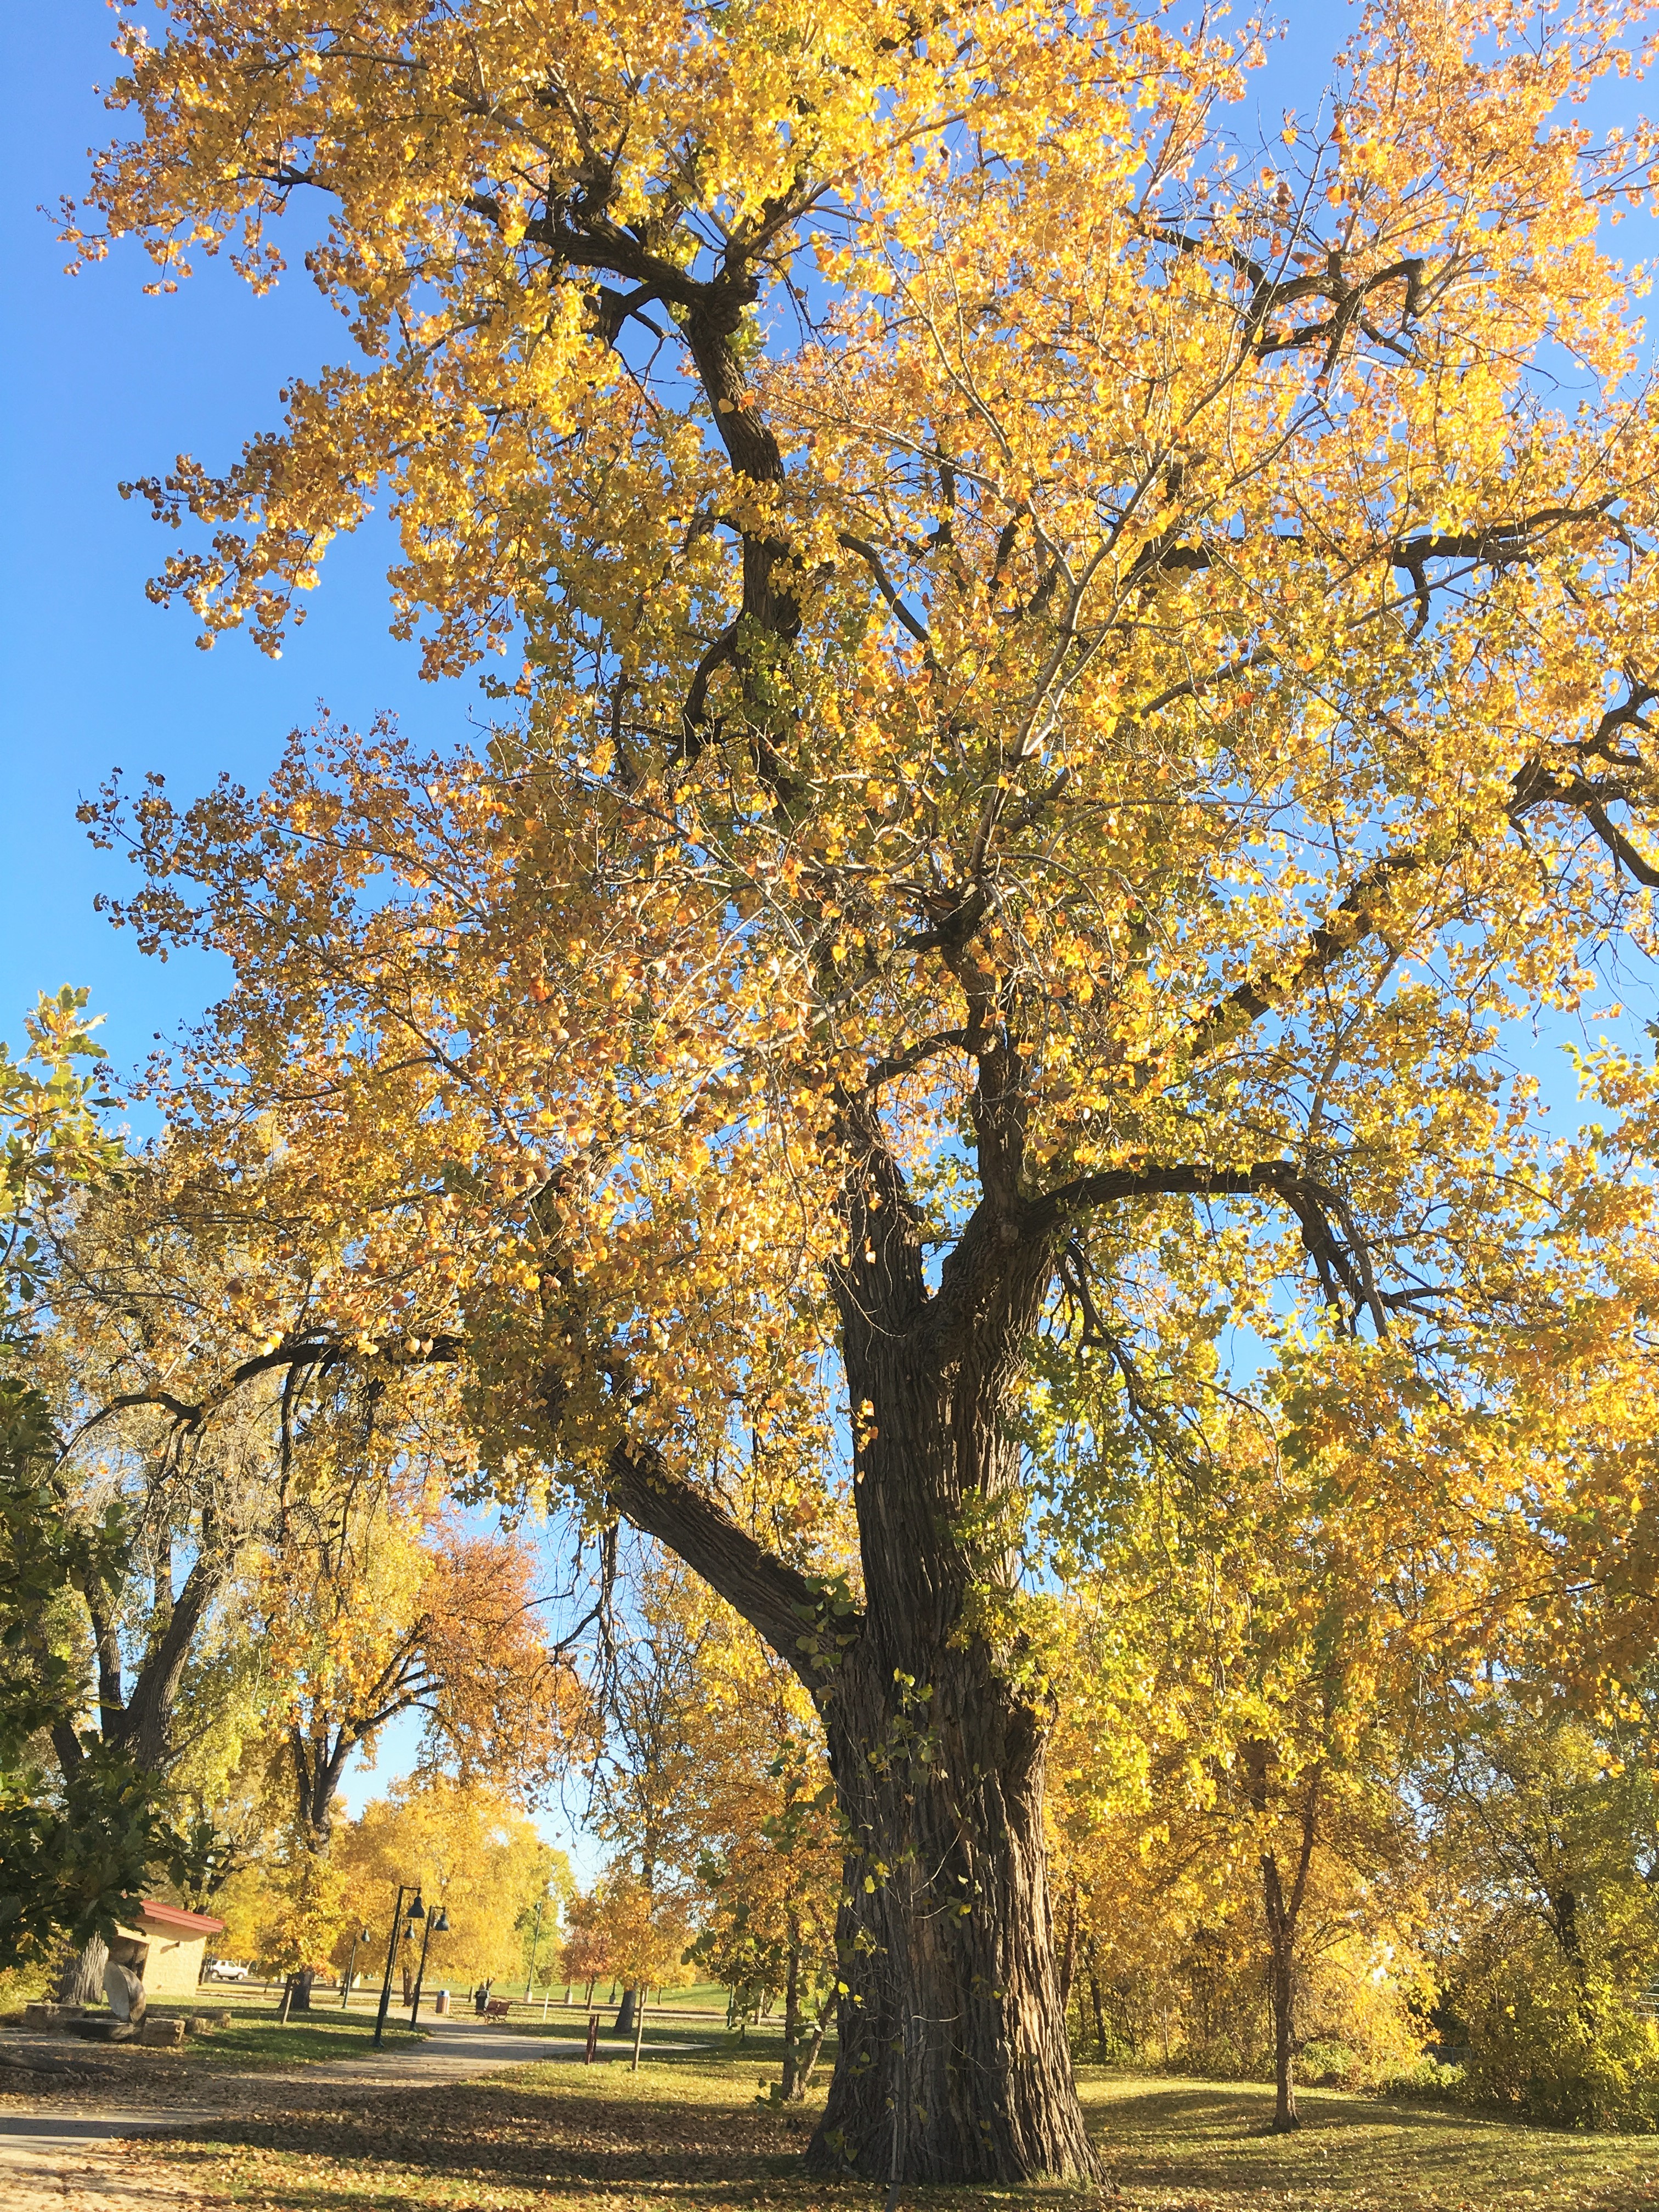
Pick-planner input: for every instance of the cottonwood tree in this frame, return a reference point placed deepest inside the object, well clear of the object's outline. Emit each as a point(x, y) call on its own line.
point(138, 1311)
point(290, 1512)
point(1246, 1676)
point(772, 1875)
point(75, 1845)
point(374, 1605)
point(1285, 1599)
point(1075, 674)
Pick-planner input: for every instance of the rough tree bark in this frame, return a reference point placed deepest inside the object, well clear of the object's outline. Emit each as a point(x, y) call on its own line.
point(952, 2037)
point(81, 1981)
point(950, 2026)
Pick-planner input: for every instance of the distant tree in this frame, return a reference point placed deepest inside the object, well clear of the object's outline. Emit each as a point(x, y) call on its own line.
point(1549, 1840)
point(474, 1853)
point(375, 1610)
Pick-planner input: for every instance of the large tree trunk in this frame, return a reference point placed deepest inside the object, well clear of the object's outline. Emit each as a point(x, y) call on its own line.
point(953, 2063)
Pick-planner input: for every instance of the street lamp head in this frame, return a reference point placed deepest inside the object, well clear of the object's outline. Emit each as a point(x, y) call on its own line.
point(364, 1935)
point(440, 1923)
point(418, 1911)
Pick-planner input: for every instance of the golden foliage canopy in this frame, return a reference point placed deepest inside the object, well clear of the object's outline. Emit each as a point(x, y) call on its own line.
point(1070, 647)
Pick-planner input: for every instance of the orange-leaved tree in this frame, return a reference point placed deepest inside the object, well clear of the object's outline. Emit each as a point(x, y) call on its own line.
point(373, 1610)
point(1075, 678)
point(584, 1955)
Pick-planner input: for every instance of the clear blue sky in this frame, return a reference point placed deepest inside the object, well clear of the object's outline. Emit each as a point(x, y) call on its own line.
point(97, 384)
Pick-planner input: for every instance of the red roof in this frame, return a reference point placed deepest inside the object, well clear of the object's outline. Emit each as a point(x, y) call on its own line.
point(184, 1924)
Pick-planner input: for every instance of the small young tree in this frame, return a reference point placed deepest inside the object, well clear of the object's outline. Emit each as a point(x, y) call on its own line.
point(584, 1955)
point(646, 1932)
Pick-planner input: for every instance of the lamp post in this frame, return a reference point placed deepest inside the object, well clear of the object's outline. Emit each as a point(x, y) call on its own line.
point(363, 1935)
point(416, 1911)
point(438, 1924)
point(535, 1938)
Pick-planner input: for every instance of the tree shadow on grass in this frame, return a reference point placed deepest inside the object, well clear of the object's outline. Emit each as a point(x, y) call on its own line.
point(504, 2134)
point(1215, 2141)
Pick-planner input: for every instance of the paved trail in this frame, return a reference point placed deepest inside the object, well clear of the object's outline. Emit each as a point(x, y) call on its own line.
point(60, 2156)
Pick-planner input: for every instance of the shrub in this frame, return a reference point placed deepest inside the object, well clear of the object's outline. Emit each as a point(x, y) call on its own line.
point(1428, 2079)
point(1551, 2044)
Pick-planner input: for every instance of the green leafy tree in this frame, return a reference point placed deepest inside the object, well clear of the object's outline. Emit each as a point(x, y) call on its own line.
point(1551, 1945)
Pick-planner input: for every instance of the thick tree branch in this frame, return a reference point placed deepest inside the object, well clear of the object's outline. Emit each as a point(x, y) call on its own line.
point(1541, 785)
point(780, 1604)
point(319, 1352)
point(903, 1063)
point(882, 1284)
point(884, 584)
point(144, 1726)
point(1342, 1263)
point(1620, 847)
point(1328, 943)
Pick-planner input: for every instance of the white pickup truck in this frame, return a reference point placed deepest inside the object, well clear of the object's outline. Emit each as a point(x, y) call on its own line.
point(226, 1970)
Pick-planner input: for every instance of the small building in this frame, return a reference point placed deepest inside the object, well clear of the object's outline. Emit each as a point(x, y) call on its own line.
point(175, 1944)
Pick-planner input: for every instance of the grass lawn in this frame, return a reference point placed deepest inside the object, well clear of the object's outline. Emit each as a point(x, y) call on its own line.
point(254, 2039)
point(685, 2135)
point(699, 1997)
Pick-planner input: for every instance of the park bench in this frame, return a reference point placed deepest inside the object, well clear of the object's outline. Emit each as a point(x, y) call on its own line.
point(497, 2009)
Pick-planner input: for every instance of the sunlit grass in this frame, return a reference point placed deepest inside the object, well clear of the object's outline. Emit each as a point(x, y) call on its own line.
point(309, 2039)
